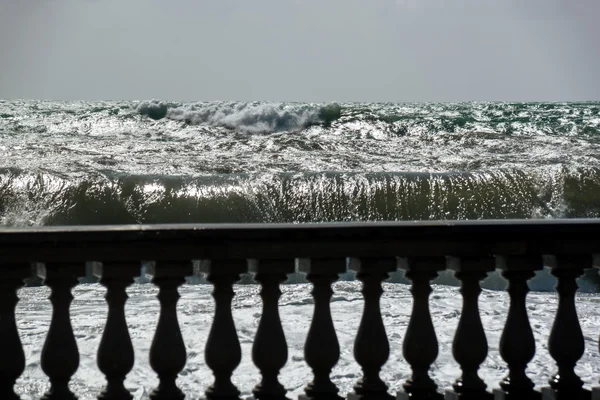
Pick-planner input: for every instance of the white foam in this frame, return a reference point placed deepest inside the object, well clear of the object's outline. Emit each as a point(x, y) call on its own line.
point(195, 314)
point(249, 117)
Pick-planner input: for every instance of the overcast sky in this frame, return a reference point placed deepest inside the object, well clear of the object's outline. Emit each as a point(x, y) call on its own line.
point(301, 50)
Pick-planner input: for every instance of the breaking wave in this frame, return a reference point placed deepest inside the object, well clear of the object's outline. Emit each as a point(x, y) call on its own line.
point(44, 198)
point(255, 117)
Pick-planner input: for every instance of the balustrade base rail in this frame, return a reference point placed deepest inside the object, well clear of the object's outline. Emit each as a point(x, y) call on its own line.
point(471, 249)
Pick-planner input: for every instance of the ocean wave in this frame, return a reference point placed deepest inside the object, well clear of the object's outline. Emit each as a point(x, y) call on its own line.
point(508, 119)
point(256, 117)
point(194, 139)
point(43, 198)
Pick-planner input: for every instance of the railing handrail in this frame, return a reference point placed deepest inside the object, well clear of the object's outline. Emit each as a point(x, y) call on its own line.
point(243, 241)
point(305, 225)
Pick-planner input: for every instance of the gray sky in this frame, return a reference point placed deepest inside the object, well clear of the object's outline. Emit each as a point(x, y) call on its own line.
point(302, 50)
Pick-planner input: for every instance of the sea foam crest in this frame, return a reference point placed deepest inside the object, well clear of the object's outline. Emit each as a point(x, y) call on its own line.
point(254, 117)
point(154, 109)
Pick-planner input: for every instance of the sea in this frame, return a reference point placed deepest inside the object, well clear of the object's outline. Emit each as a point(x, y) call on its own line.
point(139, 162)
point(115, 162)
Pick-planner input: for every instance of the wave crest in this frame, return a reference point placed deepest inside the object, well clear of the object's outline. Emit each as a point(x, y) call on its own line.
point(255, 117)
point(154, 109)
point(50, 199)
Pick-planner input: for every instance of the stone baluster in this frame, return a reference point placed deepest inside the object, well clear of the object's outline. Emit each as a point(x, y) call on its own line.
point(12, 361)
point(115, 353)
point(167, 352)
point(420, 347)
point(371, 347)
point(60, 357)
point(322, 349)
point(566, 343)
point(269, 350)
point(596, 389)
point(223, 352)
point(517, 344)
point(470, 347)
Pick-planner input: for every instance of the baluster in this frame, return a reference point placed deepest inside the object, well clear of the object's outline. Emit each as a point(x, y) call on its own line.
point(269, 351)
point(167, 353)
point(566, 343)
point(420, 347)
point(115, 353)
point(470, 347)
point(517, 344)
point(223, 352)
point(371, 347)
point(60, 357)
point(322, 349)
point(12, 361)
point(596, 389)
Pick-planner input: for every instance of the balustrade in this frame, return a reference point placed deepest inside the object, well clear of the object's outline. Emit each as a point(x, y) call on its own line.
point(269, 350)
point(60, 357)
point(322, 349)
point(167, 353)
point(12, 362)
point(517, 345)
point(420, 344)
point(322, 252)
point(470, 345)
point(115, 354)
point(372, 347)
point(223, 352)
point(566, 343)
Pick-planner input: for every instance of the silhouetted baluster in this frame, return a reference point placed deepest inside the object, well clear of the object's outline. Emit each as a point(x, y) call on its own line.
point(12, 361)
point(223, 353)
point(470, 347)
point(420, 347)
point(115, 353)
point(269, 351)
point(566, 343)
point(322, 349)
point(596, 389)
point(60, 357)
point(517, 344)
point(167, 353)
point(371, 347)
